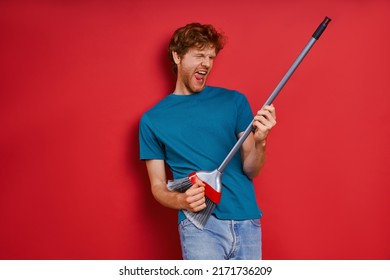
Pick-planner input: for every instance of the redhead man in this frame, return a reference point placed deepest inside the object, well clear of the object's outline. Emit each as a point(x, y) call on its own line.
point(194, 128)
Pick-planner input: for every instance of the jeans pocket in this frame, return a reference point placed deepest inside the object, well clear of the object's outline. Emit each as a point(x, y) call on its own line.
point(256, 222)
point(185, 223)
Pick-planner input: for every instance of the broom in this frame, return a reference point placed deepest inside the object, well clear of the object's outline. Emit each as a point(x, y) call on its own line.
point(213, 179)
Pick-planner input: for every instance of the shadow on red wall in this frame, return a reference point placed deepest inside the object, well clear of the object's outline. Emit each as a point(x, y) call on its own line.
point(159, 219)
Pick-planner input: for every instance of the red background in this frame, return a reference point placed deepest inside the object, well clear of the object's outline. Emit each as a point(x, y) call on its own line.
point(76, 76)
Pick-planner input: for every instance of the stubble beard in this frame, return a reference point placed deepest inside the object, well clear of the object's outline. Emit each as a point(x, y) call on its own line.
point(193, 85)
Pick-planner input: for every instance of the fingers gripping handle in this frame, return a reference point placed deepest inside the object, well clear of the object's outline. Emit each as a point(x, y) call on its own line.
point(321, 28)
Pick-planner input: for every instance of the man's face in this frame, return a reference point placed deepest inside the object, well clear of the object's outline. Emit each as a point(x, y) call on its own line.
point(193, 70)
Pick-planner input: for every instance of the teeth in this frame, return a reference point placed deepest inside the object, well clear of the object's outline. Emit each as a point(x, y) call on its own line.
point(202, 72)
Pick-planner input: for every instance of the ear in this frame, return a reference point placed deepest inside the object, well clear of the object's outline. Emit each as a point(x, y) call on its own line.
point(176, 57)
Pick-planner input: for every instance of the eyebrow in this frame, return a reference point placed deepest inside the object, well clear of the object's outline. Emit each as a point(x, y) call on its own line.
point(204, 53)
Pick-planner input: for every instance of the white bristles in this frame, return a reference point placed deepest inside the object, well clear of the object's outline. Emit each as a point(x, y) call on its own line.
point(179, 185)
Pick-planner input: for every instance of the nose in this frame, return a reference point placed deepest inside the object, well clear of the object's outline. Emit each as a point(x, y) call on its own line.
point(206, 62)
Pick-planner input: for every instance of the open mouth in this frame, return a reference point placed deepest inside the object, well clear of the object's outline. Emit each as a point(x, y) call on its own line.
point(200, 75)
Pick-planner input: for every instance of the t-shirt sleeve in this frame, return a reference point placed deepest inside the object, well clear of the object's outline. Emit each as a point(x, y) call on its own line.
point(150, 146)
point(244, 113)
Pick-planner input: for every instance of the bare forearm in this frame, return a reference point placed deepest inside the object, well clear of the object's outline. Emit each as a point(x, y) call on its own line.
point(254, 148)
point(167, 198)
point(255, 160)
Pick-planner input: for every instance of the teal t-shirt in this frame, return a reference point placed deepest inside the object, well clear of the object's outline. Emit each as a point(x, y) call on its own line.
point(196, 132)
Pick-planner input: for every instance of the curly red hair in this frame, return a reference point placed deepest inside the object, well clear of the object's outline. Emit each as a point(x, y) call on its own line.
point(194, 35)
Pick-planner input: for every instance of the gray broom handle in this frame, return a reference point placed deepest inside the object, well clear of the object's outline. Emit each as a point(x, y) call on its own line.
point(316, 35)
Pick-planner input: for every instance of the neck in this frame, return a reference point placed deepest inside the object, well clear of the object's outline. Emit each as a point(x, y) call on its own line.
point(182, 89)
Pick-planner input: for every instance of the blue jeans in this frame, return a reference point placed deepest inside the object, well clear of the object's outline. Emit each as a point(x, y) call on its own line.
point(221, 240)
